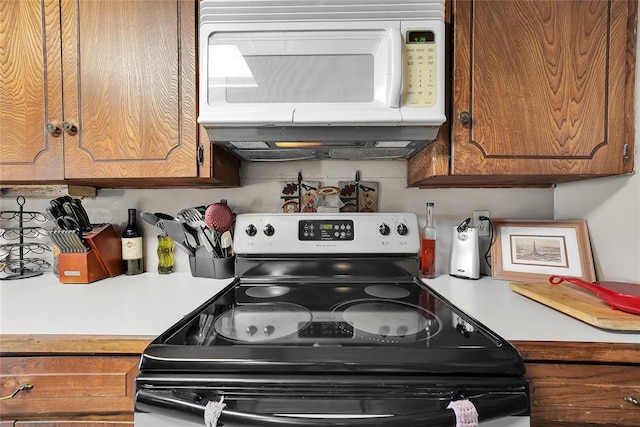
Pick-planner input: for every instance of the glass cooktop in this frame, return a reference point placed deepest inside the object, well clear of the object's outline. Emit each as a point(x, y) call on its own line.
point(320, 314)
point(311, 327)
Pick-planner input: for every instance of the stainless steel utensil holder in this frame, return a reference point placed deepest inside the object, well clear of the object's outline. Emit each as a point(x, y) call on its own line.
point(205, 264)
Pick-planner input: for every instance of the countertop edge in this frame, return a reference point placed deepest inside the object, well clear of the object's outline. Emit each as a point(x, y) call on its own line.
point(577, 351)
point(531, 351)
point(21, 344)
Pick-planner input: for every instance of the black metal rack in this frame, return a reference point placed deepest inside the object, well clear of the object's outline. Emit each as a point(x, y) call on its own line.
point(14, 260)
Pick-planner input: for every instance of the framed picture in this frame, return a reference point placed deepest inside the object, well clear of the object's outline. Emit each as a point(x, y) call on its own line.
point(526, 251)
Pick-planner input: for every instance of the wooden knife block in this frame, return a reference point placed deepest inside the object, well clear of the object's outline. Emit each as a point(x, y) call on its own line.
point(102, 261)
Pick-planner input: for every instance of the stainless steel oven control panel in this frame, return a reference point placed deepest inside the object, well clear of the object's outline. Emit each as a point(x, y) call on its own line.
point(325, 230)
point(320, 233)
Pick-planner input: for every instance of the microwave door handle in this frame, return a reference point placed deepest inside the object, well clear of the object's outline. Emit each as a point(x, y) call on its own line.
point(394, 78)
point(490, 406)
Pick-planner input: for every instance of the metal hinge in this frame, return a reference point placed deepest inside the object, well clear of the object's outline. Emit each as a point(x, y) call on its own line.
point(200, 155)
point(625, 153)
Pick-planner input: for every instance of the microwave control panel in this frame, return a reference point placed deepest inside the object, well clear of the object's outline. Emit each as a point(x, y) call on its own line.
point(421, 76)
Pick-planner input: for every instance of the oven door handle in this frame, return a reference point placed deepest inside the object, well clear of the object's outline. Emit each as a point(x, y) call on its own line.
point(490, 406)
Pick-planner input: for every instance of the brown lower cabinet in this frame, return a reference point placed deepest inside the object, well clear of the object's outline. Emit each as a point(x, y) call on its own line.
point(99, 387)
point(76, 381)
point(582, 384)
point(572, 383)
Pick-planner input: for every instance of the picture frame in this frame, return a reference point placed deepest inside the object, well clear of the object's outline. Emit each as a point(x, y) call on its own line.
point(531, 251)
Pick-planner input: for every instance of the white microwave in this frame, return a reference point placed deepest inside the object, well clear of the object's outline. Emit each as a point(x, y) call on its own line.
point(292, 79)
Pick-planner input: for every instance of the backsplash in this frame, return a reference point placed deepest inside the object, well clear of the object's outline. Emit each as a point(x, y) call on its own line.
point(262, 187)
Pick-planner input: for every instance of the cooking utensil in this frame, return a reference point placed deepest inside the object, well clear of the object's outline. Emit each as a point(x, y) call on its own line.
point(78, 217)
point(150, 218)
point(622, 296)
point(226, 242)
point(170, 228)
point(81, 214)
point(58, 241)
point(56, 208)
point(69, 241)
point(193, 217)
point(50, 215)
point(79, 241)
point(174, 230)
point(219, 216)
point(67, 222)
point(204, 328)
point(190, 232)
point(162, 215)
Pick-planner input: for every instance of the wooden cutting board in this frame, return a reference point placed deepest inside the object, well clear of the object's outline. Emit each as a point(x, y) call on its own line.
point(579, 303)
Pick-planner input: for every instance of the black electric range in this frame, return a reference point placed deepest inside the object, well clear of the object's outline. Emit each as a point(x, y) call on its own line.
point(327, 323)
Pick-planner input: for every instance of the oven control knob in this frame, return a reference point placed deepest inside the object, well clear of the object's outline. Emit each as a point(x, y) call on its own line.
point(251, 230)
point(268, 230)
point(251, 330)
point(384, 229)
point(268, 330)
point(402, 229)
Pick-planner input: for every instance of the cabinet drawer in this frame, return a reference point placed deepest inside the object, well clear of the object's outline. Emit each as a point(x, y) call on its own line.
point(584, 393)
point(68, 385)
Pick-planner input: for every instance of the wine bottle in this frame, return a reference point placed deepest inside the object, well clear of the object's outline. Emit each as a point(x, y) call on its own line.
point(132, 247)
point(428, 246)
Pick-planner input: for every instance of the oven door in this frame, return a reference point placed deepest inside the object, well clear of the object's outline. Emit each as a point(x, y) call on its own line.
point(371, 401)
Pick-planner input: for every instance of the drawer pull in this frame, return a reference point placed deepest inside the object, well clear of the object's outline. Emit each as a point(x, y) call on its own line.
point(632, 400)
point(18, 390)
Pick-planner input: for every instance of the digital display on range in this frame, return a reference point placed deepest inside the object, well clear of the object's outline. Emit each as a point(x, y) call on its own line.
point(325, 330)
point(332, 230)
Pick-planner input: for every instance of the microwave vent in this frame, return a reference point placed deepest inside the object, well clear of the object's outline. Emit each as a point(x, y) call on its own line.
point(392, 144)
point(248, 145)
point(367, 153)
point(276, 155)
point(311, 10)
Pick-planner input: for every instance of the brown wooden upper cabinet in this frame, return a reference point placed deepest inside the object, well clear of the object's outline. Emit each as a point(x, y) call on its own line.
point(542, 92)
point(103, 92)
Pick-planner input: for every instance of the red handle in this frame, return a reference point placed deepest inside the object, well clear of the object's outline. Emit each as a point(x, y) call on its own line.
point(556, 280)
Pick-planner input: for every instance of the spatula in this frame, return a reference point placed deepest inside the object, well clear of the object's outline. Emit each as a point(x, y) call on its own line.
point(625, 297)
point(176, 232)
point(226, 243)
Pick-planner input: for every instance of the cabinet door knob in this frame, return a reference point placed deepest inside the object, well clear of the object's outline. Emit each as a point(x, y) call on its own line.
point(53, 129)
point(631, 400)
point(18, 390)
point(69, 128)
point(464, 117)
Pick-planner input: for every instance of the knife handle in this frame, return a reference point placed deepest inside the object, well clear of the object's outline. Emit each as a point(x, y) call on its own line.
point(82, 214)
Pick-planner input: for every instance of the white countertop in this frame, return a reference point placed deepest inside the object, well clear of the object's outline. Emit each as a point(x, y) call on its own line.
point(148, 304)
point(142, 305)
point(517, 318)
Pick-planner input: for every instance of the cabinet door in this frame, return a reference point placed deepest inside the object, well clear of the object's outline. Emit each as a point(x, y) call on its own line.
point(67, 387)
point(129, 88)
point(547, 86)
point(30, 90)
point(583, 394)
